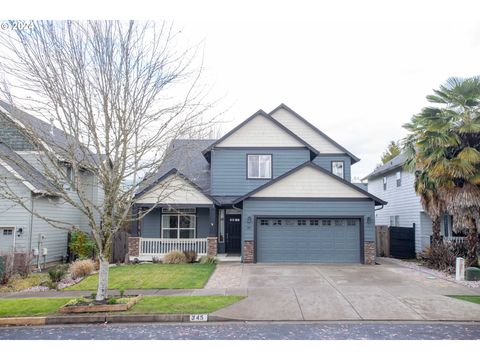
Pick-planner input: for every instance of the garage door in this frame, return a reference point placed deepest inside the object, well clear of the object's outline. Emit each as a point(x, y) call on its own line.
point(298, 240)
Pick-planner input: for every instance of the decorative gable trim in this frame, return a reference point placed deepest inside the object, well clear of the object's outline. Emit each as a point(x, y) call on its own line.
point(322, 170)
point(314, 128)
point(267, 117)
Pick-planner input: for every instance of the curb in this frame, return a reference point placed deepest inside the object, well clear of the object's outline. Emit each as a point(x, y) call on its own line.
point(102, 319)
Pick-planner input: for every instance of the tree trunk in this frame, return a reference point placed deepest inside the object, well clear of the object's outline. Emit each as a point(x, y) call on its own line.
point(436, 237)
point(472, 243)
point(102, 279)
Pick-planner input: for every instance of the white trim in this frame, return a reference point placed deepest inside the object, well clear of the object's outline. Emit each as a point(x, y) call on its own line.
point(19, 177)
point(14, 234)
point(178, 228)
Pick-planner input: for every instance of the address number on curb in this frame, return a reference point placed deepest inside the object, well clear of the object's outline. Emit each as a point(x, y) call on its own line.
point(199, 317)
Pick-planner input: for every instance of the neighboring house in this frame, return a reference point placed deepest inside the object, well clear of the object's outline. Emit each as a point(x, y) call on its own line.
point(275, 189)
point(396, 186)
point(21, 170)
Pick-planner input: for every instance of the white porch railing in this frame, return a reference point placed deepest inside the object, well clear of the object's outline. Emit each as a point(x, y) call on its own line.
point(454, 239)
point(155, 247)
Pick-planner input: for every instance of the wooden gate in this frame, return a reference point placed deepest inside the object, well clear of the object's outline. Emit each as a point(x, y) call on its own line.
point(119, 247)
point(402, 242)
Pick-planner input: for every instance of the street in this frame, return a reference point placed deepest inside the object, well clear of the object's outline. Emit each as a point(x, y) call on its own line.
point(249, 331)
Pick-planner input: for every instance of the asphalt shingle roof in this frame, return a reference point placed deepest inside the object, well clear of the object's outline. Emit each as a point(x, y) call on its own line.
point(396, 162)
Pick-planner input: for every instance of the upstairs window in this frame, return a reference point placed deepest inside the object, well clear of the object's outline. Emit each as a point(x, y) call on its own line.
point(384, 183)
point(338, 168)
point(399, 178)
point(259, 166)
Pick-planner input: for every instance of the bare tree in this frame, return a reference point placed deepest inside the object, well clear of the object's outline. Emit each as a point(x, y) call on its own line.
point(120, 92)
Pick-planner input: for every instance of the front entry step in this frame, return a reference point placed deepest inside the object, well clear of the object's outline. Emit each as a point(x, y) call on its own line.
point(229, 258)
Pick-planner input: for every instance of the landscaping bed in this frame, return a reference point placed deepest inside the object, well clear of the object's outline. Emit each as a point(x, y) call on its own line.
point(111, 304)
point(152, 276)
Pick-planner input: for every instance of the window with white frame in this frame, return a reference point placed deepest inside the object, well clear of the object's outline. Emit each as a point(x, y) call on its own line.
point(259, 166)
point(178, 226)
point(7, 232)
point(395, 220)
point(384, 183)
point(398, 176)
point(338, 168)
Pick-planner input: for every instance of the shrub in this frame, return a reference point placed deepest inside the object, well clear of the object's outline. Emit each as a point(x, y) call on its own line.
point(122, 292)
point(208, 260)
point(175, 257)
point(111, 301)
point(81, 246)
point(191, 255)
point(81, 268)
point(156, 260)
point(443, 256)
point(57, 273)
point(8, 268)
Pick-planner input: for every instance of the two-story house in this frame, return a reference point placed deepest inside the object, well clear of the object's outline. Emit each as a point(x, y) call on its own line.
point(397, 186)
point(22, 170)
point(275, 189)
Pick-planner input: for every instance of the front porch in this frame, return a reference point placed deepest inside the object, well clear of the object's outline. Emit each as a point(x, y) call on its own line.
point(203, 228)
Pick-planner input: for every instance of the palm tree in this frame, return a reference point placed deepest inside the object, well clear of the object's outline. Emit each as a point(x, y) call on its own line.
point(444, 145)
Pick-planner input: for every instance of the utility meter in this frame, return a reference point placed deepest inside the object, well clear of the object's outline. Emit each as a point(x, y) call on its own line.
point(35, 252)
point(44, 251)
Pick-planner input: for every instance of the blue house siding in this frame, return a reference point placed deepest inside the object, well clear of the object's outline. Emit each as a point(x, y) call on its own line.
point(325, 161)
point(362, 208)
point(152, 223)
point(229, 168)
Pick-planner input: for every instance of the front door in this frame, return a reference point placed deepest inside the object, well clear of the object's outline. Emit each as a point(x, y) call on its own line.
point(233, 233)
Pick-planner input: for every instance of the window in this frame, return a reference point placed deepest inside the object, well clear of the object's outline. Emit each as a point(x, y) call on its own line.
point(178, 226)
point(314, 222)
point(263, 222)
point(326, 222)
point(338, 222)
point(384, 183)
point(338, 168)
point(399, 178)
point(301, 222)
point(395, 220)
point(7, 232)
point(277, 222)
point(259, 166)
point(351, 222)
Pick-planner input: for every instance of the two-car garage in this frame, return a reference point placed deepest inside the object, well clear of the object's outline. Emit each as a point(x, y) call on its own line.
point(308, 240)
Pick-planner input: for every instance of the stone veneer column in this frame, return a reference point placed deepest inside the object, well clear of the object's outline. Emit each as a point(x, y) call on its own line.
point(212, 246)
point(133, 247)
point(369, 253)
point(248, 251)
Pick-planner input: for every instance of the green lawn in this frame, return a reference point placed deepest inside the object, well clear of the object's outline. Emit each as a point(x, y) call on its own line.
point(152, 276)
point(182, 304)
point(472, 298)
point(30, 306)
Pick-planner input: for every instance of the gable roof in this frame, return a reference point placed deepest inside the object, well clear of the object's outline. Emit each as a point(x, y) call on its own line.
point(314, 128)
point(377, 200)
point(24, 172)
point(183, 156)
point(395, 163)
point(53, 136)
point(245, 122)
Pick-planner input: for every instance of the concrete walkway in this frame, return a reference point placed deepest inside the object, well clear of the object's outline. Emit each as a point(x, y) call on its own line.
point(347, 292)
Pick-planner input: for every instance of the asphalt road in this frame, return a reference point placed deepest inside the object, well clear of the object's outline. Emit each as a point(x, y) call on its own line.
point(248, 331)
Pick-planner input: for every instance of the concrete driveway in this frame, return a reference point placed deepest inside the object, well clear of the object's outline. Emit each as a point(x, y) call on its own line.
point(340, 292)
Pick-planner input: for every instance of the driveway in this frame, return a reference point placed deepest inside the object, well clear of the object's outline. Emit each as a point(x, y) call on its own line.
point(340, 292)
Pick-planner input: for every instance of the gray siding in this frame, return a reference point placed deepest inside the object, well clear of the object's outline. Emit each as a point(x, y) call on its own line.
point(203, 222)
point(229, 168)
point(404, 203)
point(363, 208)
point(325, 161)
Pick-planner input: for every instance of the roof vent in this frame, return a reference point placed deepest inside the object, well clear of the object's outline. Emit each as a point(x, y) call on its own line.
point(51, 126)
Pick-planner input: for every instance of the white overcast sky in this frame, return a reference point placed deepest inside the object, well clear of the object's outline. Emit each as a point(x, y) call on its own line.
point(357, 70)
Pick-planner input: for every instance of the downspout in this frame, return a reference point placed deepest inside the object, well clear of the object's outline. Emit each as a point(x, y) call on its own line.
point(30, 228)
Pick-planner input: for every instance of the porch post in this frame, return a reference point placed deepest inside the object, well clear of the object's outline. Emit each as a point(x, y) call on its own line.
point(134, 223)
point(212, 237)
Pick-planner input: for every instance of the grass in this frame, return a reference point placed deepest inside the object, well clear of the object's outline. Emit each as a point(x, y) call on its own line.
point(30, 306)
point(152, 276)
point(182, 304)
point(471, 298)
point(19, 283)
